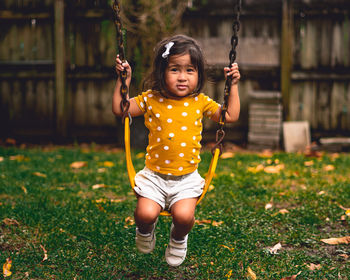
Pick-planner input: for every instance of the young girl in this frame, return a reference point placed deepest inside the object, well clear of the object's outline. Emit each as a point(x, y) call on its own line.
point(173, 109)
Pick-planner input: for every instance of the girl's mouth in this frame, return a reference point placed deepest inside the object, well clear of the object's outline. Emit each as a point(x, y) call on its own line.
point(182, 87)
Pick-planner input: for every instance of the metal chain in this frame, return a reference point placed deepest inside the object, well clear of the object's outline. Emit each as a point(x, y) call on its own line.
point(220, 133)
point(124, 90)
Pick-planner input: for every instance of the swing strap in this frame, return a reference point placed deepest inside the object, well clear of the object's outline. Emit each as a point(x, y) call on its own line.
point(124, 90)
point(220, 133)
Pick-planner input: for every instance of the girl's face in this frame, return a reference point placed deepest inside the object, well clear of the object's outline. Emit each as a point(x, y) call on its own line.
point(181, 77)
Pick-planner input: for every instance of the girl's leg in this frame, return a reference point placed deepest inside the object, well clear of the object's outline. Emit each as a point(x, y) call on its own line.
point(146, 213)
point(183, 217)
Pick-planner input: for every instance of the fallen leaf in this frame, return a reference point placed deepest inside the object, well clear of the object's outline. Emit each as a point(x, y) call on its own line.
point(24, 189)
point(275, 248)
point(101, 170)
point(1, 159)
point(98, 186)
point(210, 188)
point(283, 211)
point(251, 274)
point(347, 212)
point(228, 274)
point(293, 277)
point(45, 253)
point(274, 169)
point(337, 240)
point(256, 169)
point(329, 167)
point(108, 164)
point(7, 267)
point(209, 222)
point(129, 221)
point(313, 266)
point(227, 247)
point(268, 206)
point(10, 222)
point(227, 155)
point(216, 224)
point(321, 193)
point(78, 164)
point(19, 158)
point(39, 174)
point(309, 163)
point(344, 256)
point(265, 153)
point(140, 155)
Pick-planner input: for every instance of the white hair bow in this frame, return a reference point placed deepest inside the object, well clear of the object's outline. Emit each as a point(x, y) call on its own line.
point(167, 51)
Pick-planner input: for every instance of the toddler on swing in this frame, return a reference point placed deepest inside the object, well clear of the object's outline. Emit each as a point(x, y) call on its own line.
point(173, 108)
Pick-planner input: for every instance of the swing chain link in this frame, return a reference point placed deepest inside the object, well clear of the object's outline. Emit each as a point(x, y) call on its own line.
point(124, 90)
point(232, 57)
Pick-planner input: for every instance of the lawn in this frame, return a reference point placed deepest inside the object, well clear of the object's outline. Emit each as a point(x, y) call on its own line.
point(67, 213)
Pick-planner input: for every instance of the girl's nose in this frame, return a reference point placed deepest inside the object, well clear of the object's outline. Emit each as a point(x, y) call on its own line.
point(182, 76)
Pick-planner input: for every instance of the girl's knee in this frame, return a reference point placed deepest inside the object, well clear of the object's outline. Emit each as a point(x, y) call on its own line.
point(146, 213)
point(183, 218)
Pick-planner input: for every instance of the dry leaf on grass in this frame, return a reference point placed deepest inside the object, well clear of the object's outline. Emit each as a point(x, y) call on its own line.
point(1, 159)
point(6, 268)
point(329, 167)
point(268, 206)
point(98, 186)
point(45, 253)
point(337, 240)
point(309, 163)
point(108, 164)
point(283, 211)
point(274, 249)
point(251, 274)
point(227, 155)
point(256, 169)
point(313, 266)
point(208, 222)
point(10, 222)
point(129, 221)
point(24, 189)
point(39, 174)
point(227, 247)
point(293, 277)
point(266, 153)
point(78, 164)
point(140, 155)
point(274, 169)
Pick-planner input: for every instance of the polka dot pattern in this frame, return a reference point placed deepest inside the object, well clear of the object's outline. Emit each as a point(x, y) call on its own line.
point(174, 130)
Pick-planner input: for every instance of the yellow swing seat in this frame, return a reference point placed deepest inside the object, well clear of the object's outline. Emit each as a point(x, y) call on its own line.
point(132, 172)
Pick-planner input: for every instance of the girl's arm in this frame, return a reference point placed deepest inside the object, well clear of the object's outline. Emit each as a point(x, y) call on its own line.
point(233, 106)
point(134, 109)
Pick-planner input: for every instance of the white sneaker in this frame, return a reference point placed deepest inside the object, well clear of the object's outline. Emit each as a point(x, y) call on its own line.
point(145, 243)
point(176, 251)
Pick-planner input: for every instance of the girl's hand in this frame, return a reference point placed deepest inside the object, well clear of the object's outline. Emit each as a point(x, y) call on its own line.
point(234, 72)
point(121, 66)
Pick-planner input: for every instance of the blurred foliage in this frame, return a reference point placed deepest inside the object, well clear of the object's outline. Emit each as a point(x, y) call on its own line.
point(146, 23)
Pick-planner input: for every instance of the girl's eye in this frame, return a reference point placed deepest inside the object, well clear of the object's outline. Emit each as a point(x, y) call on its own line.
point(190, 70)
point(173, 69)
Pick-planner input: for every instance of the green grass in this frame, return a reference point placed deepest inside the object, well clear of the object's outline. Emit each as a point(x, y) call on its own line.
point(87, 235)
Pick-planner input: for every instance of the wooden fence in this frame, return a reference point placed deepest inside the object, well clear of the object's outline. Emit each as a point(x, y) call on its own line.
point(312, 72)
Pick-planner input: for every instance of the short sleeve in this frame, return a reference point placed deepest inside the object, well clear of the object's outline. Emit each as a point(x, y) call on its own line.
point(210, 106)
point(141, 101)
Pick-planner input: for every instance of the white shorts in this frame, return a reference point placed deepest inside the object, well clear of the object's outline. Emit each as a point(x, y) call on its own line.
point(168, 189)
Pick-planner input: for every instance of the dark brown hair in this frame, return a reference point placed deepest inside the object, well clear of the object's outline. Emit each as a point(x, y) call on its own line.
point(182, 45)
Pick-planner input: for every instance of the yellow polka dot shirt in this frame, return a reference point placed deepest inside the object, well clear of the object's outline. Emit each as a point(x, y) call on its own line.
point(175, 130)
